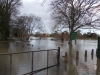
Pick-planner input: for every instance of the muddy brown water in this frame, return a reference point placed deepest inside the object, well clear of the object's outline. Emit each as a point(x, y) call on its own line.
point(21, 63)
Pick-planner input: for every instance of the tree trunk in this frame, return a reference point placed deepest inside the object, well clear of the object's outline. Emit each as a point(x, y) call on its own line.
point(70, 40)
point(3, 35)
point(62, 37)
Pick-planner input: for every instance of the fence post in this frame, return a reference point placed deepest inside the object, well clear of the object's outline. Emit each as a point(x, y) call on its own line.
point(85, 53)
point(10, 64)
point(77, 54)
point(32, 61)
point(66, 58)
point(58, 56)
point(47, 58)
point(92, 52)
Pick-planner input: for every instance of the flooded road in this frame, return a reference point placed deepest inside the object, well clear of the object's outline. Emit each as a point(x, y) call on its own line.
point(21, 63)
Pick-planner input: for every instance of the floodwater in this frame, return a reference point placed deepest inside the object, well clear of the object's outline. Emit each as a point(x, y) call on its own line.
point(22, 63)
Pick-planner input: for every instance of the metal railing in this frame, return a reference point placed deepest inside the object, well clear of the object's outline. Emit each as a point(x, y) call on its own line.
point(32, 61)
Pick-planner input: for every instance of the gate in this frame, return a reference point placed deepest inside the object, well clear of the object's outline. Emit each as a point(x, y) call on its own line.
point(8, 61)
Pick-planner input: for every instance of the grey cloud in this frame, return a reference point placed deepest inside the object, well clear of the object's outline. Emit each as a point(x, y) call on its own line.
point(34, 7)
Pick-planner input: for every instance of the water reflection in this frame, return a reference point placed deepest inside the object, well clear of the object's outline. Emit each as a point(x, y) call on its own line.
point(85, 59)
point(22, 64)
point(98, 66)
point(4, 47)
point(92, 57)
point(77, 61)
point(4, 65)
point(65, 67)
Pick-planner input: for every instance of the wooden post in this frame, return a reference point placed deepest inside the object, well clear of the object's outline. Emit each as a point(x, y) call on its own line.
point(66, 58)
point(32, 61)
point(10, 64)
point(85, 53)
point(77, 62)
point(85, 59)
point(47, 58)
point(58, 57)
point(85, 56)
point(65, 54)
point(92, 57)
point(75, 41)
point(92, 52)
point(77, 54)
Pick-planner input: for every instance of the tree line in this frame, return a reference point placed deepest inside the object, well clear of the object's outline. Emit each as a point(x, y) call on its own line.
point(66, 35)
point(12, 24)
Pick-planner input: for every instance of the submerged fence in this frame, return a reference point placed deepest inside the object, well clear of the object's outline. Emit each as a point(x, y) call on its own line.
point(10, 61)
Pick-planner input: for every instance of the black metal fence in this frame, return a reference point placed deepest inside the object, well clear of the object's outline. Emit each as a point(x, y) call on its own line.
point(9, 57)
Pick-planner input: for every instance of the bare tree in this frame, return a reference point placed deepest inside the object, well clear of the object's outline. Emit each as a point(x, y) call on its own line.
point(36, 25)
point(75, 14)
point(27, 24)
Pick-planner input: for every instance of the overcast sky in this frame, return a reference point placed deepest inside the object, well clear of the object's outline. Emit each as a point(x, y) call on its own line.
point(36, 7)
